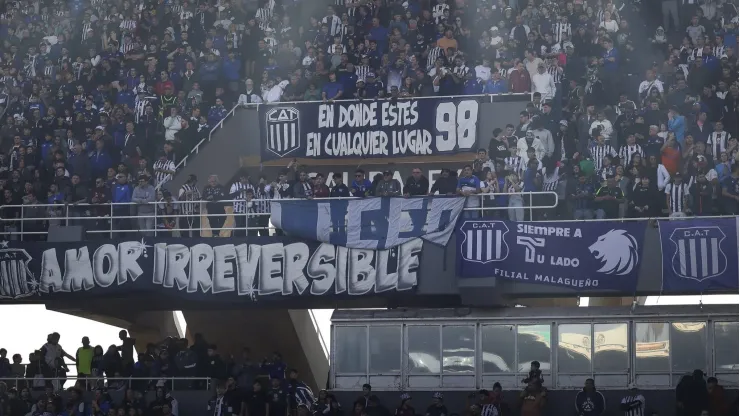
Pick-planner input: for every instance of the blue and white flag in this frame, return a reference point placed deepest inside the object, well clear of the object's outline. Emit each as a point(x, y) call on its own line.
point(586, 256)
point(699, 255)
point(370, 223)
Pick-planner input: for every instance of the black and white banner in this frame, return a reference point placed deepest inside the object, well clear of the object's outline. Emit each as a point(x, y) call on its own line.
point(369, 129)
point(204, 269)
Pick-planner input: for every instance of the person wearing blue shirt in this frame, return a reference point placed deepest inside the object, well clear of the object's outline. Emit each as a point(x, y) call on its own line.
point(46, 147)
point(217, 112)
point(126, 96)
point(496, 85)
point(361, 187)
point(332, 90)
point(610, 58)
point(348, 78)
point(100, 160)
point(379, 34)
point(231, 67)
point(724, 168)
point(121, 192)
point(730, 191)
point(530, 176)
point(472, 86)
point(676, 124)
point(372, 85)
point(469, 185)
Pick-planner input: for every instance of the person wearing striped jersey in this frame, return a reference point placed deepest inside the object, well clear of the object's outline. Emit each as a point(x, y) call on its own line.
point(634, 403)
point(238, 192)
point(718, 141)
point(189, 198)
point(630, 149)
point(677, 196)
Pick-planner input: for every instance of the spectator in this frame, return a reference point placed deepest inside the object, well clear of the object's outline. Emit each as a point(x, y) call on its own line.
point(589, 401)
point(532, 399)
point(144, 196)
point(84, 357)
point(213, 193)
point(303, 189)
point(634, 402)
point(388, 186)
point(608, 199)
point(677, 197)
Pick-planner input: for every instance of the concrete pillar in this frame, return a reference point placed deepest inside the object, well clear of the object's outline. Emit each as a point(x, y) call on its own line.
point(265, 331)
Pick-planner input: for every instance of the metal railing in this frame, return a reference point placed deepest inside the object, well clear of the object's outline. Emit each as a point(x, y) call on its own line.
point(196, 149)
point(114, 219)
point(112, 383)
point(489, 97)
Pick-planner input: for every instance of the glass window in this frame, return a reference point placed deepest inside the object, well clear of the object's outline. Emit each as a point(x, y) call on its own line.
point(385, 349)
point(610, 348)
point(458, 349)
point(651, 347)
point(424, 356)
point(497, 344)
point(688, 346)
point(533, 344)
point(574, 348)
point(725, 347)
point(351, 345)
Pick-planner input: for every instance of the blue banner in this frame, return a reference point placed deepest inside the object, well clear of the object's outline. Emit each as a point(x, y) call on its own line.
point(370, 223)
point(237, 270)
point(586, 256)
point(699, 255)
point(369, 129)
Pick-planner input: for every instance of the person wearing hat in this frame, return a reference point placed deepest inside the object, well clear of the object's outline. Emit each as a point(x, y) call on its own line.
point(144, 195)
point(388, 186)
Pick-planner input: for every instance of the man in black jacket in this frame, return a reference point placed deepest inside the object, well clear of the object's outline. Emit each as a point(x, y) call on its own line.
point(446, 184)
point(213, 193)
point(589, 401)
point(416, 184)
point(645, 200)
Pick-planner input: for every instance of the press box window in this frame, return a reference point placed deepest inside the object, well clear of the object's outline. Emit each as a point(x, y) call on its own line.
point(385, 349)
point(351, 349)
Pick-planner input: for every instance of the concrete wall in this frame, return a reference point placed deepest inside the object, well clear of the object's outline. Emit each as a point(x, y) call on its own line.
point(265, 331)
point(559, 402)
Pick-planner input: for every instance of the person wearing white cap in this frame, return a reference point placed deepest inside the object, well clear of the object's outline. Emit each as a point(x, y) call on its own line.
point(634, 403)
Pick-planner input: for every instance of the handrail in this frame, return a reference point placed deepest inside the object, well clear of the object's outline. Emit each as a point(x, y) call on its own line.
point(113, 215)
point(196, 148)
point(100, 381)
point(489, 96)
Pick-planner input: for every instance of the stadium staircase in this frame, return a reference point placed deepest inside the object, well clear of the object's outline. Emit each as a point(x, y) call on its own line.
point(219, 153)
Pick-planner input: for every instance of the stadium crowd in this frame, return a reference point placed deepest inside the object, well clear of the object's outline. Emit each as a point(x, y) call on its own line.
point(35, 388)
point(634, 106)
point(244, 387)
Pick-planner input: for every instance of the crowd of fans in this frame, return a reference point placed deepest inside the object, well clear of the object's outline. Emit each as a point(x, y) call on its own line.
point(244, 387)
point(99, 100)
point(34, 388)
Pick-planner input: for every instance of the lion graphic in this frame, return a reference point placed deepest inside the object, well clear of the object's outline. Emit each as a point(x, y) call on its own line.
point(617, 251)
